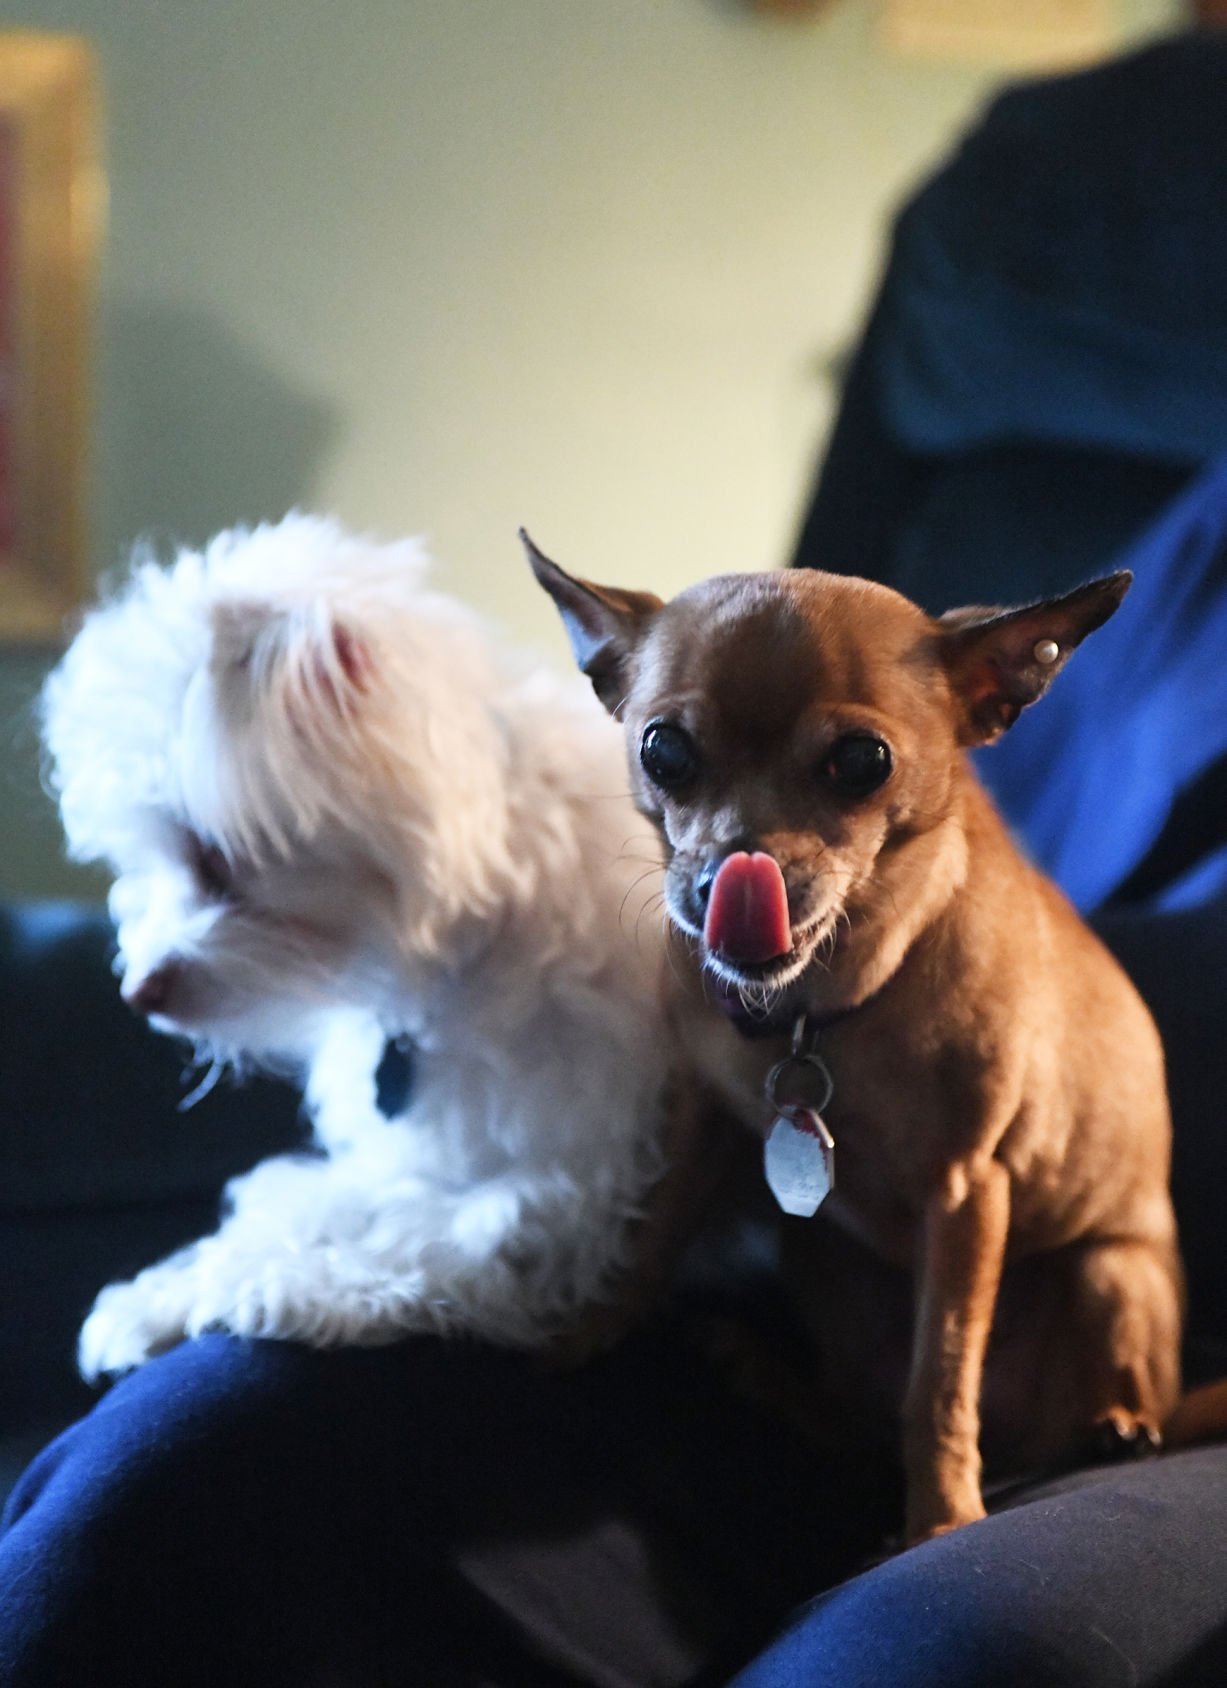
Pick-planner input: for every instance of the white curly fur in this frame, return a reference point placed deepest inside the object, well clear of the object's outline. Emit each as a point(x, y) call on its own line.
point(338, 809)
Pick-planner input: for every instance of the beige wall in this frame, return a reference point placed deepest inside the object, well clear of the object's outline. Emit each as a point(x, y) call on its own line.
point(448, 267)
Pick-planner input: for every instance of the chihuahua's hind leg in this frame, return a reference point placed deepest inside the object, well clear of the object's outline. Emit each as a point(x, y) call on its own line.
point(1126, 1317)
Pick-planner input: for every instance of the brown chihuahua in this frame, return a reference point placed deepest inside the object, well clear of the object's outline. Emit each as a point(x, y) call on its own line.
point(996, 1087)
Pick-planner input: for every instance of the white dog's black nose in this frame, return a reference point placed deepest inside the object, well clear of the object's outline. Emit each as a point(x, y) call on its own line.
point(152, 994)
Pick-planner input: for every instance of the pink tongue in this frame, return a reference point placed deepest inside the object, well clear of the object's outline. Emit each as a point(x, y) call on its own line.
point(747, 914)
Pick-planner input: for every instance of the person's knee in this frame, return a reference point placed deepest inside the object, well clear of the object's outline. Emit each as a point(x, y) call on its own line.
point(912, 1622)
point(1110, 1575)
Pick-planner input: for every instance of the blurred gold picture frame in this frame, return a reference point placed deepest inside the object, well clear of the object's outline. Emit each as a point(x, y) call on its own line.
point(50, 215)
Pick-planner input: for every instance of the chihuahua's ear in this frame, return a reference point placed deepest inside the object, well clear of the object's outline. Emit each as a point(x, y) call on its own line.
point(999, 660)
point(604, 624)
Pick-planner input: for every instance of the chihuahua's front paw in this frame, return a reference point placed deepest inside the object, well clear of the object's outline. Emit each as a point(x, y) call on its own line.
point(936, 1514)
point(916, 1534)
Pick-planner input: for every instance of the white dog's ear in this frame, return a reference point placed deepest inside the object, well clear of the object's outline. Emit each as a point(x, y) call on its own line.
point(317, 659)
point(237, 627)
point(605, 624)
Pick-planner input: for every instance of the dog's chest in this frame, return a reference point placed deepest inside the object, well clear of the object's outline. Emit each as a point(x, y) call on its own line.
point(897, 1122)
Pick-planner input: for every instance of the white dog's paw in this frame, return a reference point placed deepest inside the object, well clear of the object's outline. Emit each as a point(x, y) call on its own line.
point(207, 1288)
point(323, 1297)
point(130, 1323)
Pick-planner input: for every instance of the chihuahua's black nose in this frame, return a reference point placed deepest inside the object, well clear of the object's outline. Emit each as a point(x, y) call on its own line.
point(704, 883)
point(707, 875)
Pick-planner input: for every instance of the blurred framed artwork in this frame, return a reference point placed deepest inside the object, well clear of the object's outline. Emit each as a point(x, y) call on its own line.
point(1040, 35)
point(50, 207)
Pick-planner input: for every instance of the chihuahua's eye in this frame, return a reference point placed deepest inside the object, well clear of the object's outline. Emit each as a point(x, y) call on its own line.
point(857, 764)
point(669, 756)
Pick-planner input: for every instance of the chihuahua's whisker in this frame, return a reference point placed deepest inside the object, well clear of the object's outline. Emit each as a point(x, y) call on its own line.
point(651, 906)
point(650, 871)
point(881, 896)
point(672, 962)
point(630, 892)
point(651, 862)
point(692, 947)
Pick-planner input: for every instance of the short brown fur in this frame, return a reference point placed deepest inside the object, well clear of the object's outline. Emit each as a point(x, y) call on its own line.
point(999, 1103)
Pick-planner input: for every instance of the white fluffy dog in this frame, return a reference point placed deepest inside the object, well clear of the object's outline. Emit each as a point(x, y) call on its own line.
point(338, 810)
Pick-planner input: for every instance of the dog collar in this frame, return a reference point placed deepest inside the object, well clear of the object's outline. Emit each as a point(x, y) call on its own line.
point(750, 1022)
point(780, 1022)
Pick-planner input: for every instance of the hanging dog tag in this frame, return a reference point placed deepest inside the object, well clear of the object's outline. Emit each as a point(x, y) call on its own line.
point(799, 1154)
point(799, 1160)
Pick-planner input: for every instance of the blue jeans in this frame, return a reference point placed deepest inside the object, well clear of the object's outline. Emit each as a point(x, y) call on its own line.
point(427, 1513)
point(1106, 1578)
point(257, 1513)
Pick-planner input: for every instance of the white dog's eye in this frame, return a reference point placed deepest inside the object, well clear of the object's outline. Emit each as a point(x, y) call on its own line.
point(212, 870)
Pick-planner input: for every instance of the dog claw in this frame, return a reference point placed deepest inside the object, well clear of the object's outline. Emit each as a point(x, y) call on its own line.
point(1113, 1441)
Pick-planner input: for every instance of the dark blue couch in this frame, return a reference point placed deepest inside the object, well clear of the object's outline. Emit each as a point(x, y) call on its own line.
point(99, 1171)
